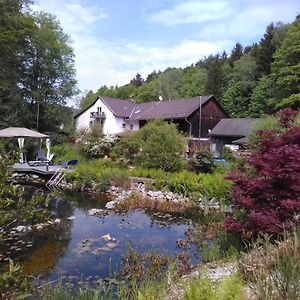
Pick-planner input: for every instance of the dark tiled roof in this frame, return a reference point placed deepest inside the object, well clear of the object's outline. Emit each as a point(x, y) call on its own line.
point(173, 109)
point(233, 127)
point(119, 107)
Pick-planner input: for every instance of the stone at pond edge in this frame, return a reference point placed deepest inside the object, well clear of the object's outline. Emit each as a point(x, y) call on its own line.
point(107, 238)
point(94, 211)
point(110, 205)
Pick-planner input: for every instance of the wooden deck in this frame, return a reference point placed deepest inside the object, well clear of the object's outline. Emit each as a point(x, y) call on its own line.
point(42, 170)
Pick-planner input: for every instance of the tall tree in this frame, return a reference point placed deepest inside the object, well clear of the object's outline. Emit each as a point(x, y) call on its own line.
point(270, 42)
point(214, 84)
point(37, 74)
point(170, 83)
point(194, 80)
point(16, 27)
point(262, 97)
point(138, 80)
point(265, 53)
point(49, 68)
point(236, 54)
point(87, 99)
point(286, 69)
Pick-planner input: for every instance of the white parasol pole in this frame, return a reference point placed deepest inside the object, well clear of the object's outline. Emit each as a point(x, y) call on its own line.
point(21, 146)
point(48, 145)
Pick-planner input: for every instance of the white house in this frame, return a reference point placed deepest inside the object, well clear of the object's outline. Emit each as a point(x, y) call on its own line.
point(112, 114)
point(194, 116)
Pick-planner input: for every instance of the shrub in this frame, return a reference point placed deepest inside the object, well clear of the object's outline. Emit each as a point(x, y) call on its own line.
point(65, 152)
point(202, 162)
point(183, 183)
point(268, 196)
point(215, 186)
point(162, 146)
point(93, 144)
point(127, 148)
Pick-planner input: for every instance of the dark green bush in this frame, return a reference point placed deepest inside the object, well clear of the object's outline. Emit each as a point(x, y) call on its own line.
point(202, 162)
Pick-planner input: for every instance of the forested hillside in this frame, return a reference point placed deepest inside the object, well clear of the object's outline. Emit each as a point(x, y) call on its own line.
point(250, 81)
point(37, 73)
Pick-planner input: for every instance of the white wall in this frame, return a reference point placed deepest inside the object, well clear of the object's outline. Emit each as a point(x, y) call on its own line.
point(83, 121)
point(112, 124)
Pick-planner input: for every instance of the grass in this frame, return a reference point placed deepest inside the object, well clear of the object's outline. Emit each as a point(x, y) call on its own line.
point(135, 201)
point(186, 183)
point(273, 269)
point(201, 288)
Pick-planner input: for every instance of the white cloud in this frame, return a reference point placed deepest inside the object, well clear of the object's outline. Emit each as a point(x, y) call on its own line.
point(192, 12)
point(110, 63)
point(251, 21)
point(74, 15)
point(114, 62)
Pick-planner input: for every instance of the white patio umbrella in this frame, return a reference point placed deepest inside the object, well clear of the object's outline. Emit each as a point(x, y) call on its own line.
point(21, 133)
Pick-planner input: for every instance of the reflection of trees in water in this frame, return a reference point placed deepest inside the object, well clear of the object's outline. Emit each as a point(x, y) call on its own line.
point(48, 246)
point(84, 202)
point(60, 207)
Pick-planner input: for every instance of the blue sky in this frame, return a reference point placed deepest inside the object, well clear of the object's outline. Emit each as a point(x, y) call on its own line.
point(115, 39)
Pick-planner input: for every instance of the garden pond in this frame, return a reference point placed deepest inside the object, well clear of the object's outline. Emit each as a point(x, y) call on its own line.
point(88, 248)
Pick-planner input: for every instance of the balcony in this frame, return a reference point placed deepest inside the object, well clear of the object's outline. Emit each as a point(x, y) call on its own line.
point(98, 115)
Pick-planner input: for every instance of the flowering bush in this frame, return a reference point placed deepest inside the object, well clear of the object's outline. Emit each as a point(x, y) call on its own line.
point(267, 195)
point(93, 143)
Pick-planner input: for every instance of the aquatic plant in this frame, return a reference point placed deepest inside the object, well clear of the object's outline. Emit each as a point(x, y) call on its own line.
point(14, 209)
point(13, 285)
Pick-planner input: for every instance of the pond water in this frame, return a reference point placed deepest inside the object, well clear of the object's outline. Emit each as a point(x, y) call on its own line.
point(74, 248)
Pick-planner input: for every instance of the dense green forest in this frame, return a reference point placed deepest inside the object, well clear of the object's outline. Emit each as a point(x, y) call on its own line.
point(37, 73)
point(250, 81)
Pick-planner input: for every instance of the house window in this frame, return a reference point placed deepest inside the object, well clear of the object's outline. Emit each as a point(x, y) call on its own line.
point(99, 109)
point(123, 125)
point(131, 126)
point(91, 124)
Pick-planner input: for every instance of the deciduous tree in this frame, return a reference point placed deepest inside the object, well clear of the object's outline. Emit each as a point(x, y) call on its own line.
point(268, 195)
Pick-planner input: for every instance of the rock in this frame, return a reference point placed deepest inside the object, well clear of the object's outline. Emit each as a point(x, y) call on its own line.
point(71, 218)
point(111, 245)
point(95, 211)
point(21, 228)
point(106, 237)
point(169, 196)
point(110, 205)
point(39, 227)
point(57, 221)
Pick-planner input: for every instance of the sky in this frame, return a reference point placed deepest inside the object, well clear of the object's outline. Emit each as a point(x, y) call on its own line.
point(115, 39)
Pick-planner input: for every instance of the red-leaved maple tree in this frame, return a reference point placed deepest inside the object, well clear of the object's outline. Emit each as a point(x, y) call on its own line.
point(267, 195)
